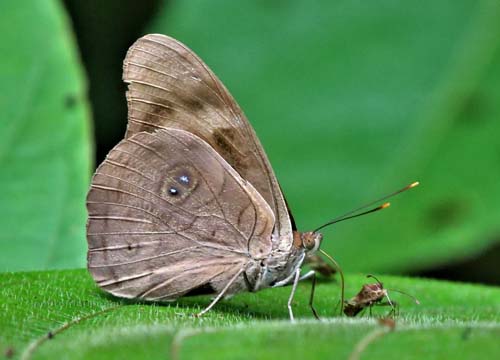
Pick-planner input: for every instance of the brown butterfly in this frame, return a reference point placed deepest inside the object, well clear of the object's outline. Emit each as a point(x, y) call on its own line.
point(188, 202)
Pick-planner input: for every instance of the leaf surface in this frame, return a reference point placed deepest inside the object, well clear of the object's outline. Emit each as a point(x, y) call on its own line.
point(454, 320)
point(44, 139)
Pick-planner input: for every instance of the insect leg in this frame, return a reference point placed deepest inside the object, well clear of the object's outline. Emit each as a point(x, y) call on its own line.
point(393, 309)
point(311, 298)
point(221, 294)
point(294, 287)
point(362, 311)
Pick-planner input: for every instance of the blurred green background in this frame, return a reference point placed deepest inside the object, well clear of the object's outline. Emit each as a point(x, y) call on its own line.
point(350, 99)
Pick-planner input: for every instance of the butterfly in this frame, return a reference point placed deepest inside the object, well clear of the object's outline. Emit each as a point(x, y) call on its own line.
point(188, 203)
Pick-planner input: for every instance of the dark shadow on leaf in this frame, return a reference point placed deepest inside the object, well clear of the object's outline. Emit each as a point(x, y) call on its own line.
point(194, 304)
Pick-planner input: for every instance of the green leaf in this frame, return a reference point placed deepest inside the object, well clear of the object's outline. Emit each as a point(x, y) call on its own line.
point(44, 139)
point(453, 320)
point(353, 100)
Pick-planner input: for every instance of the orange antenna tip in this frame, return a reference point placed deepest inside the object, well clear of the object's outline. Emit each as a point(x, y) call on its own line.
point(349, 215)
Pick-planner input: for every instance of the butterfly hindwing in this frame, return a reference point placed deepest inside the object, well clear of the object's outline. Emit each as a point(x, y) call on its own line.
point(167, 215)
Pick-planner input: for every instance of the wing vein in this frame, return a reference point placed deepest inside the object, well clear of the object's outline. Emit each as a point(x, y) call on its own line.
point(180, 251)
point(119, 218)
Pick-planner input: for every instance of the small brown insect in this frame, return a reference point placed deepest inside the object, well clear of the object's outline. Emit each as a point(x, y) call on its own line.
point(370, 295)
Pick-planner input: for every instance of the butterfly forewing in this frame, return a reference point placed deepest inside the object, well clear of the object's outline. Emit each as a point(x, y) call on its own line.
point(167, 215)
point(171, 87)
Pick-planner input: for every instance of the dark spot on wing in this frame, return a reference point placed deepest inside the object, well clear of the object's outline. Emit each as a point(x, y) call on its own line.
point(224, 140)
point(163, 111)
point(192, 103)
point(181, 181)
point(205, 289)
point(160, 107)
point(153, 112)
point(208, 96)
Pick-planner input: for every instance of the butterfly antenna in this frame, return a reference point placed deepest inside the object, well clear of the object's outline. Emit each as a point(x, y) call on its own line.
point(354, 213)
point(337, 266)
point(347, 216)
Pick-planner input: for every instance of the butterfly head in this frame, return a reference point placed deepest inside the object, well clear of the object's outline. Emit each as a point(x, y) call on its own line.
point(311, 241)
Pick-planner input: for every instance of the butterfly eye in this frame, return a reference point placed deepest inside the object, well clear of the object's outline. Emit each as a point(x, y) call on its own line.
point(311, 240)
point(309, 244)
point(173, 191)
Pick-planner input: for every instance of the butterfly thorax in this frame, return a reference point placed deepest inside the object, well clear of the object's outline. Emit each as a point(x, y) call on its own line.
point(279, 267)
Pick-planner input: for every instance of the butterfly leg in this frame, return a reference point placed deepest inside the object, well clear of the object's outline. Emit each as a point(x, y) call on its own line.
point(294, 287)
point(221, 294)
point(291, 279)
point(311, 297)
point(309, 275)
